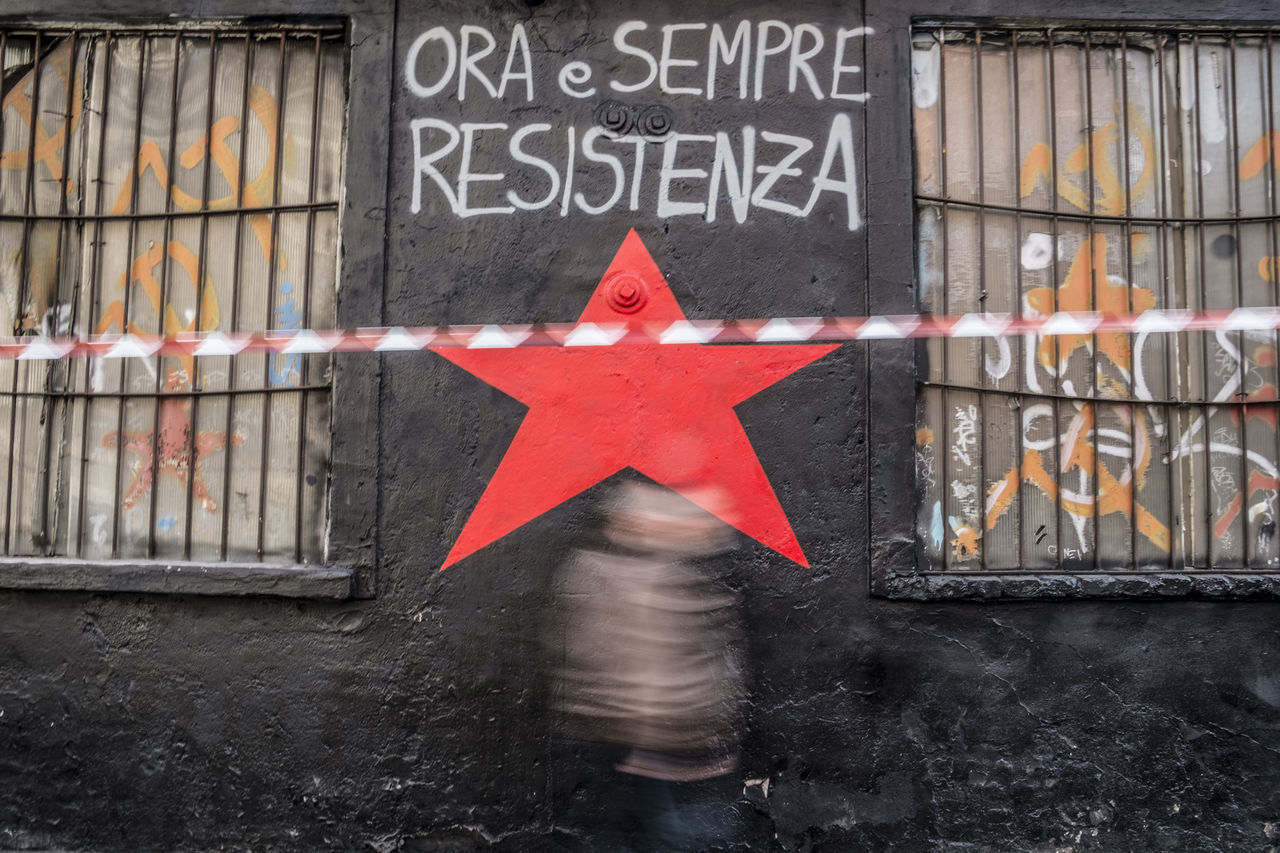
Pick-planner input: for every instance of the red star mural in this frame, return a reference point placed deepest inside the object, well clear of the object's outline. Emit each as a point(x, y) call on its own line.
point(173, 452)
point(665, 410)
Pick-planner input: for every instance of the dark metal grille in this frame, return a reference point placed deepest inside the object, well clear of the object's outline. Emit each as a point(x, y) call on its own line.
point(159, 181)
point(1102, 169)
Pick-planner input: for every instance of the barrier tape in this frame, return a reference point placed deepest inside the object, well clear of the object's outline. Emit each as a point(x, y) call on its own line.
point(772, 330)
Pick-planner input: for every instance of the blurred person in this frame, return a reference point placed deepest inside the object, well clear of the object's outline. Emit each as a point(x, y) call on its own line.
point(651, 663)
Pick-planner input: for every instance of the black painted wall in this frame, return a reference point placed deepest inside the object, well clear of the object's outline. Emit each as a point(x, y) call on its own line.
point(416, 719)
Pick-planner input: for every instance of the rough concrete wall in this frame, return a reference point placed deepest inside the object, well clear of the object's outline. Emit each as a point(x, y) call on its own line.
point(143, 724)
point(417, 720)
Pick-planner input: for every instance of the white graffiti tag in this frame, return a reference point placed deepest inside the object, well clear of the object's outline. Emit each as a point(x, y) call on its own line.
point(964, 433)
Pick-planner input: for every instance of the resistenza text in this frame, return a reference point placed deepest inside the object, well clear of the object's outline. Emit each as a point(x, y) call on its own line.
point(696, 174)
point(761, 169)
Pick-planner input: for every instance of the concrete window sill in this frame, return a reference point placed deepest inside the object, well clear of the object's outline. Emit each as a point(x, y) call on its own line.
point(177, 578)
point(1188, 585)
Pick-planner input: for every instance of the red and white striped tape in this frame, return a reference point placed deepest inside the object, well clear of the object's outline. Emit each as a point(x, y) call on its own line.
point(773, 330)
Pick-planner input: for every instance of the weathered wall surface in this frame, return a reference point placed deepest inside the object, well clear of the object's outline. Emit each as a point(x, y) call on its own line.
point(417, 719)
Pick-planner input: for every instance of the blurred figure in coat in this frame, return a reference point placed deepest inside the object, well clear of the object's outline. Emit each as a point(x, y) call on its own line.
point(650, 661)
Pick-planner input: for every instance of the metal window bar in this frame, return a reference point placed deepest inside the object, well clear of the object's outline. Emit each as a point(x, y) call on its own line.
point(1195, 133)
point(317, 104)
point(1269, 86)
point(944, 346)
point(982, 270)
point(201, 265)
point(229, 451)
point(56, 375)
point(1086, 58)
point(1128, 261)
point(273, 244)
point(123, 452)
point(1146, 481)
point(95, 272)
point(1169, 342)
point(28, 208)
point(1016, 163)
point(1233, 130)
point(117, 519)
point(161, 379)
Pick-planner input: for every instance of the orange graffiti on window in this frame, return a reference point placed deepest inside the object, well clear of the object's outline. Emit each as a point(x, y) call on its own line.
point(1259, 399)
point(256, 192)
point(1087, 287)
point(1087, 278)
point(1267, 148)
point(1108, 193)
point(143, 271)
point(967, 542)
point(48, 146)
point(1112, 494)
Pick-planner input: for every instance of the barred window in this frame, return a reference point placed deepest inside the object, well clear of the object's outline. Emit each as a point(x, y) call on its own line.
point(1105, 169)
point(161, 181)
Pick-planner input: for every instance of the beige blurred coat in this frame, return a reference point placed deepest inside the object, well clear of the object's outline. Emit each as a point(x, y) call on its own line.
point(651, 654)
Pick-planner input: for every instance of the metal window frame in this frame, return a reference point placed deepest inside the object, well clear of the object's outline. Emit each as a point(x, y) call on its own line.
point(352, 547)
point(895, 568)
